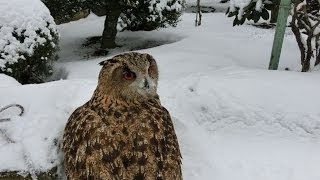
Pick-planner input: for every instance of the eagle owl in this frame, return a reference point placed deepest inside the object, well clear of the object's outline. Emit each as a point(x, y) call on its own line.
point(123, 132)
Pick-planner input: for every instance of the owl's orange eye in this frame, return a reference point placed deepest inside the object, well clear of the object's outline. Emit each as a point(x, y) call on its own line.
point(129, 75)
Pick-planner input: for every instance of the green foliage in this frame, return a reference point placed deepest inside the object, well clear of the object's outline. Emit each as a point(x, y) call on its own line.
point(65, 10)
point(35, 67)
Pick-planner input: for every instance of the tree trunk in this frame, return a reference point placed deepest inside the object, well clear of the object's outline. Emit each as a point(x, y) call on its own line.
point(274, 12)
point(317, 50)
point(297, 34)
point(301, 23)
point(110, 26)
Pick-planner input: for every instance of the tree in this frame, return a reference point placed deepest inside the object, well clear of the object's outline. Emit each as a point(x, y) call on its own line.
point(305, 26)
point(135, 15)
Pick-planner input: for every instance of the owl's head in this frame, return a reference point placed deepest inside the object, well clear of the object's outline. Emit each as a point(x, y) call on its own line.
point(129, 76)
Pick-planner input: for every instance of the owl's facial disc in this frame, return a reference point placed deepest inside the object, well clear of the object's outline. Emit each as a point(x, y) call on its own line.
point(144, 85)
point(130, 76)
point(139, 80)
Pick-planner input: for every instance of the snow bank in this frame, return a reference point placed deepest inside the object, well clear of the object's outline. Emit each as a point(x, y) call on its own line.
point(216, 4)
point(7, 81)
point(23, 18)
point(223, 120)
point(202, 2)
point(36, 134)
point(234, 119)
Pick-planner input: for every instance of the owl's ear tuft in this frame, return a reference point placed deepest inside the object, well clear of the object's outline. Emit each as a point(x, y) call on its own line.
point(102, 63)
point(150, 59)
point(108, 61)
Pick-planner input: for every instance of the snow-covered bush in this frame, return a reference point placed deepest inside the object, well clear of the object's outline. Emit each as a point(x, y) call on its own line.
point(150, 15)
point(28, 40)
point(243, 10)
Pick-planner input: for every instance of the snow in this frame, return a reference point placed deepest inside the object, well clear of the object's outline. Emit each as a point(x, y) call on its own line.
point(234, 118)
point(202, 2)
point(7, 81)
point(258, 5)
point(219, 7)
point(22, 17)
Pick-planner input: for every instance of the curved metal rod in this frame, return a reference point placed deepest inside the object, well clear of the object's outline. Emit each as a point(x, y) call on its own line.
point(10, 106)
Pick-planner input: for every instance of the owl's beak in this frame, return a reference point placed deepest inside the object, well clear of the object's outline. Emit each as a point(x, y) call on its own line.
point(146, 84)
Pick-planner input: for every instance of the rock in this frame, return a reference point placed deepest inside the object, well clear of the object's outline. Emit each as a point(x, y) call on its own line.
point(14, 175)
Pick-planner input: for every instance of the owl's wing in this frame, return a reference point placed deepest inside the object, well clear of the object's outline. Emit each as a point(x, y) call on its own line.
point(171, 136)
point(78, 133)
point(171, 146)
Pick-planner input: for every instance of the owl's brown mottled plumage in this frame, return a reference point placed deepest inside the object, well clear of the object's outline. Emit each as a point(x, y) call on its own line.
point(123, 132)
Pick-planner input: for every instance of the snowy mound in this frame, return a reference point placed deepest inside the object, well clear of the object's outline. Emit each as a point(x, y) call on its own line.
point(233, 118)
point(24, 24)
point(7, 81)
point(34, 137)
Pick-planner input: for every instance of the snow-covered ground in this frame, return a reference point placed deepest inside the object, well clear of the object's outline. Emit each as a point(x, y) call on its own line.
point(216, 4)
point(234, 118)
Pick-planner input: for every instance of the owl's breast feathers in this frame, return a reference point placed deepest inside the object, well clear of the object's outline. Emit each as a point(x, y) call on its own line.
point(118, 140)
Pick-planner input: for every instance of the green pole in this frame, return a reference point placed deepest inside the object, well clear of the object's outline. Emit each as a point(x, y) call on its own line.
point(284, 8)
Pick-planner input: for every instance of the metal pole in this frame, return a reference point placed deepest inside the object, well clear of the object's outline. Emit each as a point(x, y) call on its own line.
point(284, 8)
